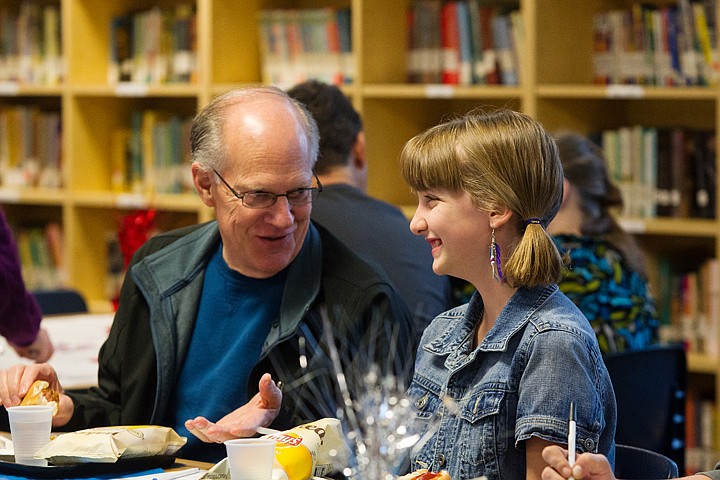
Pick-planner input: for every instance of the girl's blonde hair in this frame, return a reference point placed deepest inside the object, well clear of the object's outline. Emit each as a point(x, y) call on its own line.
point(502, 159)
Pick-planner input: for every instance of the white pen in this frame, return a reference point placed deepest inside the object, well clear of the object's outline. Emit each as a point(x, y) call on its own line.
point(571, 434)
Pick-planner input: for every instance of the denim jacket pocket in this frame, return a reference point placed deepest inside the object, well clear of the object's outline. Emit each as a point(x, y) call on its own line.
point(466, 436)
point(480, 426)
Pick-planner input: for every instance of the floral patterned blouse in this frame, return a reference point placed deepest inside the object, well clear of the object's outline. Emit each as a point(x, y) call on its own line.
point(614, 298)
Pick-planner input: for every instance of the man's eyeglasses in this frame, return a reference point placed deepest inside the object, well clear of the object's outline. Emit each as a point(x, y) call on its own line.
point(260, 199)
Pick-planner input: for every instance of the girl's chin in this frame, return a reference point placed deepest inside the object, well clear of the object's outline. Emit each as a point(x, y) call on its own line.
point(439, 269)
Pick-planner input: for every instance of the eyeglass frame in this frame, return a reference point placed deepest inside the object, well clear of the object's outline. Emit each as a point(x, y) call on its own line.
point(315, 191)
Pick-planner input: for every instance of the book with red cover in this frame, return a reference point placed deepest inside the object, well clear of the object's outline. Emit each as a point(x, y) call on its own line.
point(450, 41)
point(489, 54)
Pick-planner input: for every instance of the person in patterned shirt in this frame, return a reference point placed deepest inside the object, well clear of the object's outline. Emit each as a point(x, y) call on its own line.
point(606, 273)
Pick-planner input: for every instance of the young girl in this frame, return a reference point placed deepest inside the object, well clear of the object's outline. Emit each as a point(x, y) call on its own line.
point(494, 378)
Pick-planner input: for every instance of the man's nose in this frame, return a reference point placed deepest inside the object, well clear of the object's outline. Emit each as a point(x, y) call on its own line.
point(282, 215)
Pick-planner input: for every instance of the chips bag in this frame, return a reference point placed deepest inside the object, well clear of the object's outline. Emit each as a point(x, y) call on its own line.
point(306, 451)
point(108, 444)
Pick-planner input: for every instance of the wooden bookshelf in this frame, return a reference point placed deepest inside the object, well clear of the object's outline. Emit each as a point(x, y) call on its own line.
point(556, 87)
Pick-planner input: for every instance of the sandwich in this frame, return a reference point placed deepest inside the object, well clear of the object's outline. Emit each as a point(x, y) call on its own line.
point(425, 474)
point(40, 393)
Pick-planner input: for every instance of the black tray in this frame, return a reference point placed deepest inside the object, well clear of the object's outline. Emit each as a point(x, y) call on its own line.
point(80, 470)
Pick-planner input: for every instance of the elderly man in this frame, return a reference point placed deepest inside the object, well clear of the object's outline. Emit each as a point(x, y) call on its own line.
point(207, 312)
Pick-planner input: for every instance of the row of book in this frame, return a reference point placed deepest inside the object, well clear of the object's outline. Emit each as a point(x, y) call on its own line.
point(300, 44)
point(463, 42)
point(152, 155)
point(689, 306)
point(30, 48)
point(665, 45)
point(154, 46)
point(40, 249)
point(30, 147)
point(701, 453)
point(662, 172)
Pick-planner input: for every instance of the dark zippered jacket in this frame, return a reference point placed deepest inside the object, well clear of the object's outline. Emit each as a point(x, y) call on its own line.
point(141, 359)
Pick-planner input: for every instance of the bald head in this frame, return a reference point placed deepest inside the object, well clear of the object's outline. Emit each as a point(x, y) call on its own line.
point(259, 111)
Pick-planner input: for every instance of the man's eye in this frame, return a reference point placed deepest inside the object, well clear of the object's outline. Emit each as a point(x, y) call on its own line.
point(298, 194)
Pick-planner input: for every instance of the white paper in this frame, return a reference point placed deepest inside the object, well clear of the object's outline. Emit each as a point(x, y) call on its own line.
point(77, 340)
point(189, 474)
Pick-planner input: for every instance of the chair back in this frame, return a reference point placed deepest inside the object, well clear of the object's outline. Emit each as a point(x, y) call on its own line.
point(650, 388)
point(639, 463)
point(56, 302)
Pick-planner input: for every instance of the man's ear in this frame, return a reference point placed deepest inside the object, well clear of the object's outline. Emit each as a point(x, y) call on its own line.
point(359, 159)
point(203, 180)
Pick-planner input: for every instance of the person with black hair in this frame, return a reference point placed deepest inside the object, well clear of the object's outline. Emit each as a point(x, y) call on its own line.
point(375, 229)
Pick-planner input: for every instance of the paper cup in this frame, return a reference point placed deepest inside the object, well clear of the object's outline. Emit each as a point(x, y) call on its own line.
point(30, 431)
point(250, 458)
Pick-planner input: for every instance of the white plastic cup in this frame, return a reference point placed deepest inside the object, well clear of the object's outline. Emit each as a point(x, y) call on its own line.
point(250, 458)
point(30, 427)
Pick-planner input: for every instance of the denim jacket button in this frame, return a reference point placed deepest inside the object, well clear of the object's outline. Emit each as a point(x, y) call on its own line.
point(441, 460)
point(420, 402)
point(589, 444)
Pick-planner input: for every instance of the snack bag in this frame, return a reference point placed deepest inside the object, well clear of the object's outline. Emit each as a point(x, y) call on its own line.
point(107, 444)
point(306, 450)
point(302, 452)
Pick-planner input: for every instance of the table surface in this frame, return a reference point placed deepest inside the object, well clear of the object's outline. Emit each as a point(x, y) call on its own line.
point(183, 464)
point(77, 340)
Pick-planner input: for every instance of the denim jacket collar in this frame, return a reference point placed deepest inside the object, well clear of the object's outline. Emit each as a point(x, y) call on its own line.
point(460, 327)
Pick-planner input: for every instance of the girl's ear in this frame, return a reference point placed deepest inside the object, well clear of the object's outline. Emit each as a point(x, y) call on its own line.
point(500, 217)
point(203, 181)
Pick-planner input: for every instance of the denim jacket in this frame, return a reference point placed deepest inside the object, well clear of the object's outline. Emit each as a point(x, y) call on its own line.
point(477, 406)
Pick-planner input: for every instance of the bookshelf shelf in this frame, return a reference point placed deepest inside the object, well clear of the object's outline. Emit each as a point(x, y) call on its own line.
point(672, 227)
point(555, 86)
point(137, 90)
point(173, 202)
point(434, 91)
point(698, 363)
point(624, 92)
point(13, 89)
point(32, 196)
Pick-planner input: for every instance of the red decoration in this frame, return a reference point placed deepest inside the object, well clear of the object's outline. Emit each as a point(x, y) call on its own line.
point(135, 229)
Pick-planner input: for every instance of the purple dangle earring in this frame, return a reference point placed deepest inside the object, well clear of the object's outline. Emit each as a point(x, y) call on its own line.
point(495, 259)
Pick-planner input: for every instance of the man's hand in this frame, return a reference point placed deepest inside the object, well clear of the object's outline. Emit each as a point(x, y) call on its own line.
point(260, 411)
point(17, 380)
point(40, 350)
point(589, 466)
